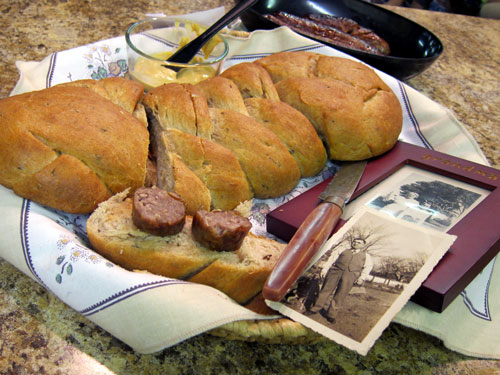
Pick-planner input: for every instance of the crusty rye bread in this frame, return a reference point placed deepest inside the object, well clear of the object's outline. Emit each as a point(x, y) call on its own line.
point(222, 93)
point(123, 92)
point(193, 192)
point(267, 163)
point(177, 133)
point(354, 111)
point(179, 106)
point(239, 274)
point(294, 130)
point(289, 64)
point(269, 168)
point(215, 165)
point(69, 148)
point(355, 123)
point(302, 64)
point(252, 80)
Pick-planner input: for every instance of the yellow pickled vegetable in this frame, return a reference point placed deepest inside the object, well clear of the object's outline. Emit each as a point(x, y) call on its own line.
point(153, 73)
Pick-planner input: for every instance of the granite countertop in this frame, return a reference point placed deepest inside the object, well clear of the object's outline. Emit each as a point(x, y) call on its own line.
point(39, 334)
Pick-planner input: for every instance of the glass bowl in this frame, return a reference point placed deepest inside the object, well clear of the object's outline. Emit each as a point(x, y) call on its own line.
point(151, 42)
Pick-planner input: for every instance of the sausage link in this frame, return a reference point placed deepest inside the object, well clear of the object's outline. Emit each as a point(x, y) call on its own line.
point(335, 30)
point(220, 230)
point(158, 212)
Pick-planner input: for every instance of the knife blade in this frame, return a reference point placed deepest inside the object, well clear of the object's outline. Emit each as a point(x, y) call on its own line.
point(313, 232)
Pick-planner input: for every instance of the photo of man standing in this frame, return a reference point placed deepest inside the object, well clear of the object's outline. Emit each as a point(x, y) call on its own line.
point(351, 268)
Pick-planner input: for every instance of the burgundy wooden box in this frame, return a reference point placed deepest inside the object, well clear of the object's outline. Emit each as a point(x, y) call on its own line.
point(478, 233)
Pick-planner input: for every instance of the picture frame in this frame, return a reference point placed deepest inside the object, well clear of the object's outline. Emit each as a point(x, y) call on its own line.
point(478, 234)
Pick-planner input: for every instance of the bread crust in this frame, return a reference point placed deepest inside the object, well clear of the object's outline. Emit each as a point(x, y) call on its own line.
point(289, 64)
point(67, 184)
point(191, 189)
point(357, 115)
point(40, 127)
point(252, 80)
point(179, 106)
point(222, 93)
point(354, 123)
point(123, 92)
point(294, 130)
point(240, 274)
point(176, 133)
point(215, 165)
point(267, 163)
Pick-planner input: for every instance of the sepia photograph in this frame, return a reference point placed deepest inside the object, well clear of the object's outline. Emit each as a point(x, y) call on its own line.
point(363, 276)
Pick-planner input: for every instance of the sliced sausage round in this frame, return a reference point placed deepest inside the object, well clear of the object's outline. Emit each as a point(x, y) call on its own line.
point(220, 230)
point(158, 212)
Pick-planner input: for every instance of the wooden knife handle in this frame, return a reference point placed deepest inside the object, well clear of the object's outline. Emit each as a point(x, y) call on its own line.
point(310, 236)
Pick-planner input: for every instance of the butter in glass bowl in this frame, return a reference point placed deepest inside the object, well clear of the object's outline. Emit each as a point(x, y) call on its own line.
point(151, 42)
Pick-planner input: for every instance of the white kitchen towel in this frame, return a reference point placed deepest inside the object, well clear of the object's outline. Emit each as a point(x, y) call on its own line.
point(149, 312)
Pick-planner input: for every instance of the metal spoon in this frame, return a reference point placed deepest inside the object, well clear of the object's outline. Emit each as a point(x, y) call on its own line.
point(186, 53)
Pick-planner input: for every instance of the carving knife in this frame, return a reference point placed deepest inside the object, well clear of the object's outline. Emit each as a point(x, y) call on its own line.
point(313, 232)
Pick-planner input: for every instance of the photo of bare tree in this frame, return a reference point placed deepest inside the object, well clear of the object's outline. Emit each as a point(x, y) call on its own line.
point(429, 202)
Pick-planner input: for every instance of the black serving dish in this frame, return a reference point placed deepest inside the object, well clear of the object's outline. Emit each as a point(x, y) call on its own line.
point(413, 48)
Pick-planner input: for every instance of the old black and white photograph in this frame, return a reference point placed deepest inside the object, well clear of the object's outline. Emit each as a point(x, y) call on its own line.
point(363, 276)
point(427, 202)
point(424, 198)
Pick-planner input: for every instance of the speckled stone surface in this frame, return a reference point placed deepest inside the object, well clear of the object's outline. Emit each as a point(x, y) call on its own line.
point(465, 78)
point(41, 335)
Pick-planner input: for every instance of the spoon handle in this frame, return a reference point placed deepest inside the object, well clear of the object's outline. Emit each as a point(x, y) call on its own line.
point(186, 53)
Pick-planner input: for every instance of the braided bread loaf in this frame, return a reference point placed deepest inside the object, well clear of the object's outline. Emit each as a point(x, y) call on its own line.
point(73, 145)
point(241, 141)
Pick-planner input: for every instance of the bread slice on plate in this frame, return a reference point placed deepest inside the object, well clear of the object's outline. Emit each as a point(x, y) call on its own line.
point(240, 274)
